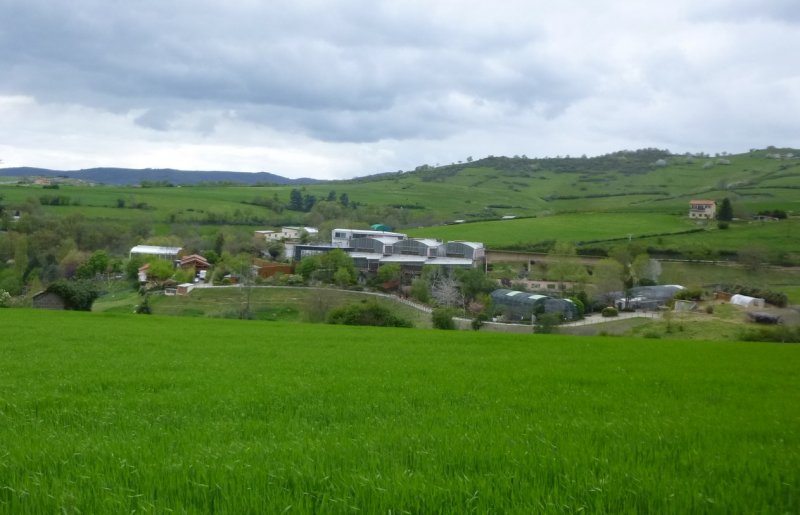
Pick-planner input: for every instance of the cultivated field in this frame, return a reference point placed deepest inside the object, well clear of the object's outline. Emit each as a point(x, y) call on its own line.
point(119, 413)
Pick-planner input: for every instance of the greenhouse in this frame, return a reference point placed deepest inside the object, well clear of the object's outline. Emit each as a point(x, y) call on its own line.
point(518, 305)
point(645, 297)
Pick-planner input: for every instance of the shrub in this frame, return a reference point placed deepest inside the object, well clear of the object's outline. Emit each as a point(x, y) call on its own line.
point(690, 294)
point(420, 290)
point(77, 295)
point(5, 299)
point(609, 312)
point(782, 333)
point(546, 322)
point(144, 307)
point(443, 318)
point(722, 225)
point(478, 321)
point(580, 305)
point(367, 313)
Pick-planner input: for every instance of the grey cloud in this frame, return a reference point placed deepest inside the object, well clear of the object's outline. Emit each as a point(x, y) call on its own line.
point(431, 81)
point(357, 63)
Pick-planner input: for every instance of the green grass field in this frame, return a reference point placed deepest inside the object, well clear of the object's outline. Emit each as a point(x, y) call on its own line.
point(108, 413)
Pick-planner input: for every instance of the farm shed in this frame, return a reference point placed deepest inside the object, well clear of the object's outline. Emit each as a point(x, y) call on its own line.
point(747, 302)
point(184, 289)
point(48, 300)
point(684, 306)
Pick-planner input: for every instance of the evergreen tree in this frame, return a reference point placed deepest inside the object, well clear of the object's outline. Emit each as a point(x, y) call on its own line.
point(296, 200)
point(725, 213)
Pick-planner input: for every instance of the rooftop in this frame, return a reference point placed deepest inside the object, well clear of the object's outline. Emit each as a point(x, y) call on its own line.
point(152, 249)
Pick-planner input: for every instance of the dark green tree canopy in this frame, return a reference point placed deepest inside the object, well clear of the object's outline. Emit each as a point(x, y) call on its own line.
point(725, 210)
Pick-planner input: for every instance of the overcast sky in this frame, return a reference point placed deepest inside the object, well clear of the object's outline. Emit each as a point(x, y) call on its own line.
point(336, 89)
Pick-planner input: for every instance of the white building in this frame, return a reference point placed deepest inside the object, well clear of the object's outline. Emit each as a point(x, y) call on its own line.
point(287, 233)
point(342, 237)
point(703, 209)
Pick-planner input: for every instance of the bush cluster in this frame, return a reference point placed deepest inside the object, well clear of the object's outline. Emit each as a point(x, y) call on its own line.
point(609, 312)
point(443, 318)
point(781, 333)
point(366, 313)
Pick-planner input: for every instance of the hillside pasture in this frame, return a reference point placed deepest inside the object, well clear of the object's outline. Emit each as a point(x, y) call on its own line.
point(776, 241)
point(572, 227)
point(112, 413)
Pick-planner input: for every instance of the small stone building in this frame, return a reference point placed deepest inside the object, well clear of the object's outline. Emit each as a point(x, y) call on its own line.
point(49, 300)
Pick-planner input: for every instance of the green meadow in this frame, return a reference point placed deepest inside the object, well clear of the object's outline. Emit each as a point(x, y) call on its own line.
point(111, 413)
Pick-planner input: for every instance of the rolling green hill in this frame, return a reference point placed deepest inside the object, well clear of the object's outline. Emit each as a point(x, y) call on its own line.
point(620, 195)
point(110, 413)
point(640, 181)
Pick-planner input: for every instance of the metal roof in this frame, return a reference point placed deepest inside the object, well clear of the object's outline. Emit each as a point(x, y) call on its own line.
point(364, 255)
point(473, 244)
point(449, 261)
point(428, 242)
point(369, 232)
point(152, 249)
point(383, 239)
point(403, 258)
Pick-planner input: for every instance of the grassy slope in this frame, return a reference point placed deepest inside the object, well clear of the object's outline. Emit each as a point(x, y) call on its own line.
point(698, 275)
point(270, 304)
point(112, 413)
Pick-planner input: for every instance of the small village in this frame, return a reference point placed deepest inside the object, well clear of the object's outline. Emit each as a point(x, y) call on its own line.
point(394, 264)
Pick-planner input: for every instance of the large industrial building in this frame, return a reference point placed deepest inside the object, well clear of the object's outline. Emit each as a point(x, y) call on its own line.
point(370, 249)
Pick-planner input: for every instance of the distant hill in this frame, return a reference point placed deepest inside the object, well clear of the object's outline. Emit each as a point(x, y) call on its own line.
point(122, 176)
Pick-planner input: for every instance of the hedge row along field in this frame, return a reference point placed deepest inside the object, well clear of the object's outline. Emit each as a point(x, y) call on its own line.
point(103, 413)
